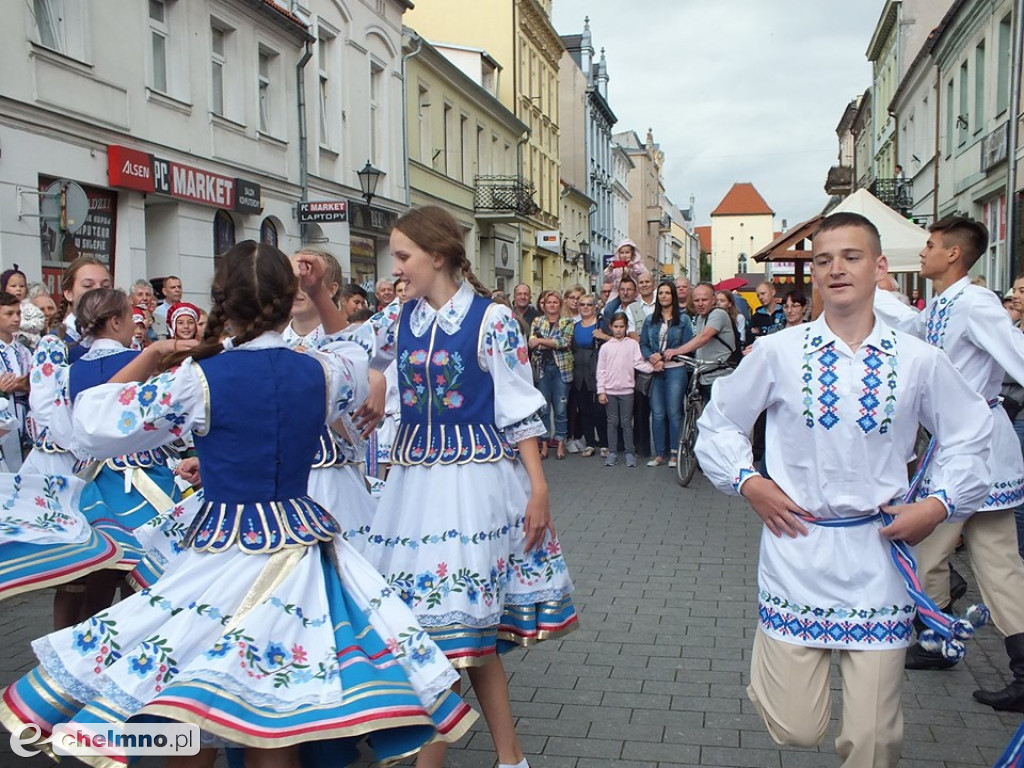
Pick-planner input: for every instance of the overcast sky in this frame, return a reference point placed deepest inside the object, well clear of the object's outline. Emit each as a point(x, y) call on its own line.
point(736, 90)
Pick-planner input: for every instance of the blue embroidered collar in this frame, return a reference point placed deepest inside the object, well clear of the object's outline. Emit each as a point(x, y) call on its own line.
point(818, 335)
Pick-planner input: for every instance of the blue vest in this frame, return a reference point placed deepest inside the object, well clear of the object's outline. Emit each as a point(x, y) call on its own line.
point(328, 453)
point(267, 410)
point(86, 374)
point(447, 397)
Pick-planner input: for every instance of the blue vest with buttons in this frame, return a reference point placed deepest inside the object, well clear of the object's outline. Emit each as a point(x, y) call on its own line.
point(87, 373)
point(447, 397)
point(267, 410)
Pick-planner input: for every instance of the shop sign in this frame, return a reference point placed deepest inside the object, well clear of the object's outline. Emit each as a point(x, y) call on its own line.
point(323, 211)
point(132, 169)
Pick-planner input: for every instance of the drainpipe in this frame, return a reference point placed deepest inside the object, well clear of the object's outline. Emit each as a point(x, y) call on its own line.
point(405, 114)
point(300, 82)
point(1013, 138)
point(519, 178)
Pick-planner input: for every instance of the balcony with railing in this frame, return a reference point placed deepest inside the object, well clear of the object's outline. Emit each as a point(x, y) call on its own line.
point(504, 198)
point(897, 193)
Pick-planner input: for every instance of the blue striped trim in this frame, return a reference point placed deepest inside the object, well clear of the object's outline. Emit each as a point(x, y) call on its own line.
point(842, 522)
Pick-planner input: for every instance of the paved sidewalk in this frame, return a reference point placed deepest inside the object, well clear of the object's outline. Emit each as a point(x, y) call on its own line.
point(655, 676)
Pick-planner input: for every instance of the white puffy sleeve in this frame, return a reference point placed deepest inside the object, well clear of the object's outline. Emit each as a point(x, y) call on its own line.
point(502, 352)
point(723, 446)
point(115, 419)
point(990, 329)
point(346, 359)
point(899, 315)
point(384, 327)
point(32, 319)
point(47, 380)
point(959, 474)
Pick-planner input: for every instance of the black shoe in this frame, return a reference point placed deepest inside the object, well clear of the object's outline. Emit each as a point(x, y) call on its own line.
point(1009, 699)
point(957, 584)
point(919, 658)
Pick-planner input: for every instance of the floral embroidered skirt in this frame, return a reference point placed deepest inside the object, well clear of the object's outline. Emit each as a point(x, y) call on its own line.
point(836, 587)
point(342, 490)
point(117, 513)
point(45, 540)
point(306, 644)
point(450, 539)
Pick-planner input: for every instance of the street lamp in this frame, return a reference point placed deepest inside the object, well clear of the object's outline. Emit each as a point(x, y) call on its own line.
point(369, 177)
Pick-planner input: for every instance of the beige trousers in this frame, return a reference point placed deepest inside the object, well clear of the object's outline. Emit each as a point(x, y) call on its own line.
point(789, 685)
point(991, 539)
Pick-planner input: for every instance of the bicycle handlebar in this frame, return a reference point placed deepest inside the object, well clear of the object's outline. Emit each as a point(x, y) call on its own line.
point(701, 366)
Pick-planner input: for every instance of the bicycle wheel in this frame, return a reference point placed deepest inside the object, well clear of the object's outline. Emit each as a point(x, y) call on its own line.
point(686, 460)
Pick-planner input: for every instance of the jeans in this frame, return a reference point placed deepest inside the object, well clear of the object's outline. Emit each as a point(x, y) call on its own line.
point(667, 408)
point(556, 394)
point(620, 414)
point(1018, 427)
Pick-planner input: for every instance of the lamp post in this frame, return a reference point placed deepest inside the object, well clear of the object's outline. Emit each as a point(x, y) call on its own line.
point(369, 177)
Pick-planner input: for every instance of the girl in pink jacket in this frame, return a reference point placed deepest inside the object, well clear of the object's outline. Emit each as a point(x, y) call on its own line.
point(619, 357)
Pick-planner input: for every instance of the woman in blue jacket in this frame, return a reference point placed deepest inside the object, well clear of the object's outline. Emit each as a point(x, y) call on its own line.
point(665, 329)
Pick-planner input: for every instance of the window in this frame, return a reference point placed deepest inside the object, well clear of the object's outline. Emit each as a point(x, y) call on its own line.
point(217, 64)
point(376, 116)
point(158, 31)
point(447, 134)
point(978, 118)
point(1003, 64)
point(60, 26)
point(741, 264)
point(223, 233)
point(950, 112)
point(325, 47)
point(464, 161)
point(963, 118)
point(426, 145)
point(268, 232)
point(265, 94)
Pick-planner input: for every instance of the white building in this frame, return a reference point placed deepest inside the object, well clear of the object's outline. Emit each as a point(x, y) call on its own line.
point(622, 164)
point(181, 123)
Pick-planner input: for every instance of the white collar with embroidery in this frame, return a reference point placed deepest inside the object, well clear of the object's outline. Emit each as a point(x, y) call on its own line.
point(266, 340)
point(952, 290)
point(818, 335)
point(449, 316)
point(104, 348)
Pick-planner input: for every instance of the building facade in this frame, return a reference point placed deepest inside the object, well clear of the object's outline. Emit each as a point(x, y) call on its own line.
point(622, 166)
point(583, 83)
point(186, 139)
point(519, 36)
point(741, 225)
point(457, 134)
point(647, 221)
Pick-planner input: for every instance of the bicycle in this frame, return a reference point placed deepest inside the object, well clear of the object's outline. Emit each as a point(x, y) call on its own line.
point(693, 405)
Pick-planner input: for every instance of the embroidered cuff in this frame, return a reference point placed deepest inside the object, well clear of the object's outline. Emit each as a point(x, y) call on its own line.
point(531, 426)
point(744, 474)
point(942, 496)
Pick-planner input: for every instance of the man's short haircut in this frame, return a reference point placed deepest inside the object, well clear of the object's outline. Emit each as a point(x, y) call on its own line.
point(172, 277)
point(627, 279)
point(850, 219)
point(795, 297)
point(704, 284)
point(384, 281)
point(768, 283)
point(350, 290)
point(9, 300)
point(969, 235)
point(142, 283)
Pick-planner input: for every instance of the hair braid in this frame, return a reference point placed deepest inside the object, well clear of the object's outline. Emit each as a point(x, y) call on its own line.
point(467, 274)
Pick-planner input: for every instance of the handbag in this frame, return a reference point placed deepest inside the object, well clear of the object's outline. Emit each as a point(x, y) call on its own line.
point(642, 382)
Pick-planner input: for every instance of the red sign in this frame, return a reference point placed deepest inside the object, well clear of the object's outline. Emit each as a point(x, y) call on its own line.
point(202, 186)
point(130, 168)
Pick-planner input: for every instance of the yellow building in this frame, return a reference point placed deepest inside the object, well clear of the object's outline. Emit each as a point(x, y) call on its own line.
point(576, 208)
point(520, 38)
point(741, 225)
point(458, 133)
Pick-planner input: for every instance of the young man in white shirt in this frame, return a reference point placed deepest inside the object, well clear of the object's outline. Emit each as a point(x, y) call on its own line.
point(970, 324)
point(844, 396)
point(15, 364)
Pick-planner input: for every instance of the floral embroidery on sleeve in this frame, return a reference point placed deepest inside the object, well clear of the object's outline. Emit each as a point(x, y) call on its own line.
point(152, 405)
point(504, 338)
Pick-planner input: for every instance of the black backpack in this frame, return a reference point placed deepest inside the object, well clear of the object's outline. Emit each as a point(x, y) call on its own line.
point(735, 353)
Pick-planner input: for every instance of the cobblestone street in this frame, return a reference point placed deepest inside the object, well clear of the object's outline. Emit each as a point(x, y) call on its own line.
point(655, 675)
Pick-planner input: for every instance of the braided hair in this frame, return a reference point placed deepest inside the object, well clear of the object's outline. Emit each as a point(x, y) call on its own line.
point(436, 231)
point(252, 293)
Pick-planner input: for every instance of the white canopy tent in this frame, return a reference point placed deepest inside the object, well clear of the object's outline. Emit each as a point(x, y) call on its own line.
point(902, 240)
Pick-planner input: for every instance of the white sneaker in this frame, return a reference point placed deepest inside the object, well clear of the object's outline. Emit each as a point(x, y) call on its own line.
point(572, 446)
point(604, 453)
